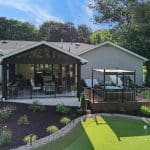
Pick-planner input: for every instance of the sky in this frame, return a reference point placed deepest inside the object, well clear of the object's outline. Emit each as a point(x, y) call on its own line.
point(39, 11)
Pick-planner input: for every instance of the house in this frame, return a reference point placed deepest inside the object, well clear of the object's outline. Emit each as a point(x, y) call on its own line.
point(43, 62)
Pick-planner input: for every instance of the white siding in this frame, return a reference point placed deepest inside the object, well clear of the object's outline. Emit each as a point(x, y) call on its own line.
point(110, 57)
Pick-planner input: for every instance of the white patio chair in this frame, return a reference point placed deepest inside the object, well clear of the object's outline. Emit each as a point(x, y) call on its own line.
point(34, 88)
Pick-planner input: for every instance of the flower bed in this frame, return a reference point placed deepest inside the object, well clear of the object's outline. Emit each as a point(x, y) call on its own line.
point(38, 122)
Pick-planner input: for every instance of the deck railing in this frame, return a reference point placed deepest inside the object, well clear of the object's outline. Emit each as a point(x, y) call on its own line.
point(23, 92)
point(101, 95)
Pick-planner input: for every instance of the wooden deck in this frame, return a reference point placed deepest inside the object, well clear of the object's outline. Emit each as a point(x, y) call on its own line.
point(126, 102)
point(120, 107)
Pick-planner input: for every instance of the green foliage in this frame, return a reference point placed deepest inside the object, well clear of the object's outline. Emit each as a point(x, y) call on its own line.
point(83, 102)
point(84, 33)
point(55, 31)
point(130, 22)
point(145, 110)
point(62, 109)
point(37, 107)
point(100, 36)
point(147, 78)
point(16, 30)
point(52, 129)
point(23, 120)
point(5, 137)
point(31, 138)
point(6, 112)
point(65, 120)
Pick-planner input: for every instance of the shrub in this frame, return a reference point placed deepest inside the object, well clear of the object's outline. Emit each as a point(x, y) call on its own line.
point(37, 107)
point(62, 109)
point(145, 110)
point(52, 129)
point(23, 120)
point(31, 138)
point(65, 120)
point(83, 102)
point(12, 108)
point(6, 112)
point(5, 137)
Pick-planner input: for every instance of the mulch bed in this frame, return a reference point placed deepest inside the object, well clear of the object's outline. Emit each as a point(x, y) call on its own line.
point(38, 122)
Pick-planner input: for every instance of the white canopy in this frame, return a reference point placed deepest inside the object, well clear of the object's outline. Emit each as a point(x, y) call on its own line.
point(113, 71)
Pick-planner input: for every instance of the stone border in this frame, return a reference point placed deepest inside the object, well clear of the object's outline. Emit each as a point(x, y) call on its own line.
point(69, 126)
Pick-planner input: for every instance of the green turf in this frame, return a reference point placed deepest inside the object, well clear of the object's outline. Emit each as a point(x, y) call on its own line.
point(112, 133)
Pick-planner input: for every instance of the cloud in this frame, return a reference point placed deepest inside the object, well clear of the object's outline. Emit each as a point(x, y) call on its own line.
point(89, 11)
point(36, 12)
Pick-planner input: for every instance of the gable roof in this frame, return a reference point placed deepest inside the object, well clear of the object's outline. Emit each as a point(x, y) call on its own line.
point(10, 46)
point(36, 44)
point(116, 46)
point(70, 47)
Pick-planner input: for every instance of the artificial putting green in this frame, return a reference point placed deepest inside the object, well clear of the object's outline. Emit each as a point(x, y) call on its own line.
point(104, 133)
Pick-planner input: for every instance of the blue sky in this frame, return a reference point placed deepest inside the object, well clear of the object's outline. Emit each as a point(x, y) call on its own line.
point(38, 11)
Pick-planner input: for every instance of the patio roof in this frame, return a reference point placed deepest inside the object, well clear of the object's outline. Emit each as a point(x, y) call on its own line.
point(114, 71)
point(34, 45)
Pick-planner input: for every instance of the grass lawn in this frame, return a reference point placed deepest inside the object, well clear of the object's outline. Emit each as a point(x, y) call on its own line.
point(108, 133)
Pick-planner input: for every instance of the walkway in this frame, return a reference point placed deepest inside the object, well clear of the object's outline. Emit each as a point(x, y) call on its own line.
point(68, 101)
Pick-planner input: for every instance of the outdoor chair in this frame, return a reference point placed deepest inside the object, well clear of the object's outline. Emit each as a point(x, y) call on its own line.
point(34, 88)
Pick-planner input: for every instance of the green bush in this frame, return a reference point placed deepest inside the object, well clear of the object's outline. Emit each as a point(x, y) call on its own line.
point(147, 73)
point(62, 109)
point(12, 109)
point(37, 107)
point(83, 102)
point(23, 120)
point(51, 129)
point(145, 110)
point(31, 138)
point(6, 112)
point(65, 120)
point(5, 137)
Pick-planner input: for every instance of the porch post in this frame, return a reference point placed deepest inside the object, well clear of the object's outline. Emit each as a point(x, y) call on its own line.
point(11, 72)
point(4, 80)
point(105, 93)
point(123, 88)
point(92, 77)
point(134, 84)
point(78, 80)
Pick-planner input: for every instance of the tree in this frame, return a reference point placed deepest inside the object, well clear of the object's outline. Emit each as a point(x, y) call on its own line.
point(84, 33)
point(55, 31)
point(131, 21)
point(100, 36)
point(16, 30)
point(147, 77)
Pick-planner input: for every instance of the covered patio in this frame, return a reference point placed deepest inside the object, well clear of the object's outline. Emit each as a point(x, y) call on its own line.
point(41, 71)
